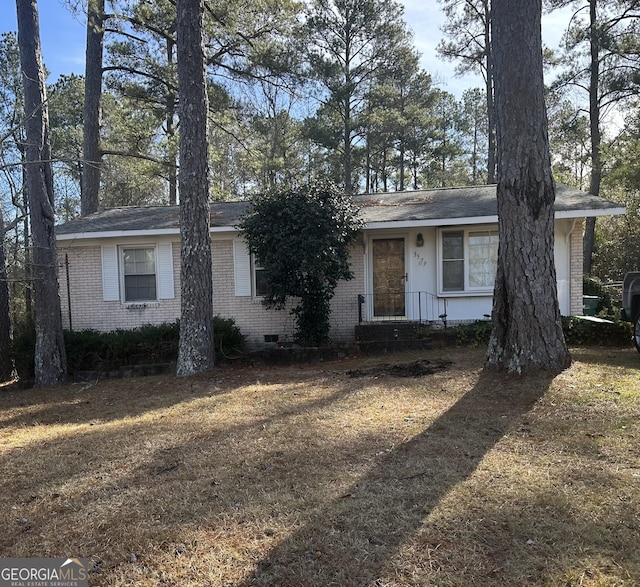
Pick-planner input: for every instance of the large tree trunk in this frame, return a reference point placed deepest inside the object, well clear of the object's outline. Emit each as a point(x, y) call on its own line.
point(92, 155)
point(195, 351)
point(50, 357)
point(527, 328)
point(6, 366)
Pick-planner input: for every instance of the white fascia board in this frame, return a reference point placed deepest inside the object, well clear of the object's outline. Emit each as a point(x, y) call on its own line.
point(116, 234)
point(591, 213)
point(432, 222)
point(217, 229)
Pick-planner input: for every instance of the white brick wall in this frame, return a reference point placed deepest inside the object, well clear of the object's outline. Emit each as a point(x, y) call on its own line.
point(255, 321)
point(576, 254)
point(88, 310)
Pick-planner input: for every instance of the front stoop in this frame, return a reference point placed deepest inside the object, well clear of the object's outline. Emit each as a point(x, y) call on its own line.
point(380, 337)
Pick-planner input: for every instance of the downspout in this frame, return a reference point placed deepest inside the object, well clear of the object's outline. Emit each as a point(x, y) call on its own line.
point(567, 238)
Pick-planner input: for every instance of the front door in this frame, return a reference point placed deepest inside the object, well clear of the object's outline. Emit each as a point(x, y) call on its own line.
point(389, 278)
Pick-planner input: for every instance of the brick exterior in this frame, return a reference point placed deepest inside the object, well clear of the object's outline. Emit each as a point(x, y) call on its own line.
point(88, 310)
point(576, 256)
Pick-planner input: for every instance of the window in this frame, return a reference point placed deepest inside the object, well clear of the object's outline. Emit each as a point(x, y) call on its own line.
point(483, 258)
point(261, 287)
point(249, 277)
point(453, 261)
point(469, 260)
point(139, 274)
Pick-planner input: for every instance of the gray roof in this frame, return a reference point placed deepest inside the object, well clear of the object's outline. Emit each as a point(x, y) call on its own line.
point(442, 205)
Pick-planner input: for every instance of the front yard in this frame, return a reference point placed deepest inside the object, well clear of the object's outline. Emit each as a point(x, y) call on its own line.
point(333, 474)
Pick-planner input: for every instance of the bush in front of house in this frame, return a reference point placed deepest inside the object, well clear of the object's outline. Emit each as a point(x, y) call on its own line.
point(301, 238)
point(577, 332)
point(91, 350)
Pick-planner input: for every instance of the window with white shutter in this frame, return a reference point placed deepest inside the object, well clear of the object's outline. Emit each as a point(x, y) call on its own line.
point(241, 268)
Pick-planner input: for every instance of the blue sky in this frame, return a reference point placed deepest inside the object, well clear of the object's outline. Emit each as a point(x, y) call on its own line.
point(62, 36)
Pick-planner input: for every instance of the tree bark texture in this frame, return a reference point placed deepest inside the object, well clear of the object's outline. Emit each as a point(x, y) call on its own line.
point(527, 329)
point(91, 153)
point(6, 366)
point(594, 128)
point(489, 89)
point(195, 351)
point(50, 356)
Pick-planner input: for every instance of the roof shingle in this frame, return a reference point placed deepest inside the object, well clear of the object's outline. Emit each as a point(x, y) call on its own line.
point(419, 206)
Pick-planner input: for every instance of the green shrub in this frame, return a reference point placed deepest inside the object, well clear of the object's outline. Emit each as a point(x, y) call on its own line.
point(91, 350)
point(578, 331)
point(22, 350)
point(227, 338)
point(474, 334)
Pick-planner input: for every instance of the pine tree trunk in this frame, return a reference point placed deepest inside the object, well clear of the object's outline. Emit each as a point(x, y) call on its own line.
point(596, 136)
point(50, 357)
point(195, 350)
point(172, 154)
point(6, 366)
point(91, 154)
point(491, 107)
point(527, 329)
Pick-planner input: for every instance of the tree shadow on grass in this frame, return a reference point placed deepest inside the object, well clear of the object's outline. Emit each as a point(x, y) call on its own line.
point(351, 540)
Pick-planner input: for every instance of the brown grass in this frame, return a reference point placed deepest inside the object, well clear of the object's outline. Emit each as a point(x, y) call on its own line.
point(306, 476)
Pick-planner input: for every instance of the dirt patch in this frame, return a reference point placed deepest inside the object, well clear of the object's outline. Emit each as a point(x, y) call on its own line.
point(414, 369)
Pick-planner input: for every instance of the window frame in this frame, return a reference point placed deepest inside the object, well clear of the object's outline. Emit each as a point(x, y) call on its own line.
point(255, 267)
point(468, 291)
point(121, 272)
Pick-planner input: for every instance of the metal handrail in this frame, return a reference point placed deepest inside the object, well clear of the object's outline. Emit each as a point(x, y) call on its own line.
point(418, 306)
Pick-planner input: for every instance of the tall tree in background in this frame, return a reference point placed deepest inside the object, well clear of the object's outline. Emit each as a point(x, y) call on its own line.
point(617, 248)
point(601, 59)
point(66, 98)
point(140, 68)
point(12, 170)
point(6, 366)
point(473, 117)
point(569, 142)
point(50, 357)
point(527, 329)
point(398, 108)
point(348, 41)
point(468, 28)
point(446, 166)
point(92, 155)
point(195, 349)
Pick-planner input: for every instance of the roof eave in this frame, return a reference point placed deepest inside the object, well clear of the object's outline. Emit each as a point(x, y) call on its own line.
point(466, 220)
point(431, 222)
point(115, 234)
point(620, 210)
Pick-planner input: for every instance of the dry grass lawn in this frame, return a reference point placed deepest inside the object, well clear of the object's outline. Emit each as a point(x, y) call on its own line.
point(307, 476)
